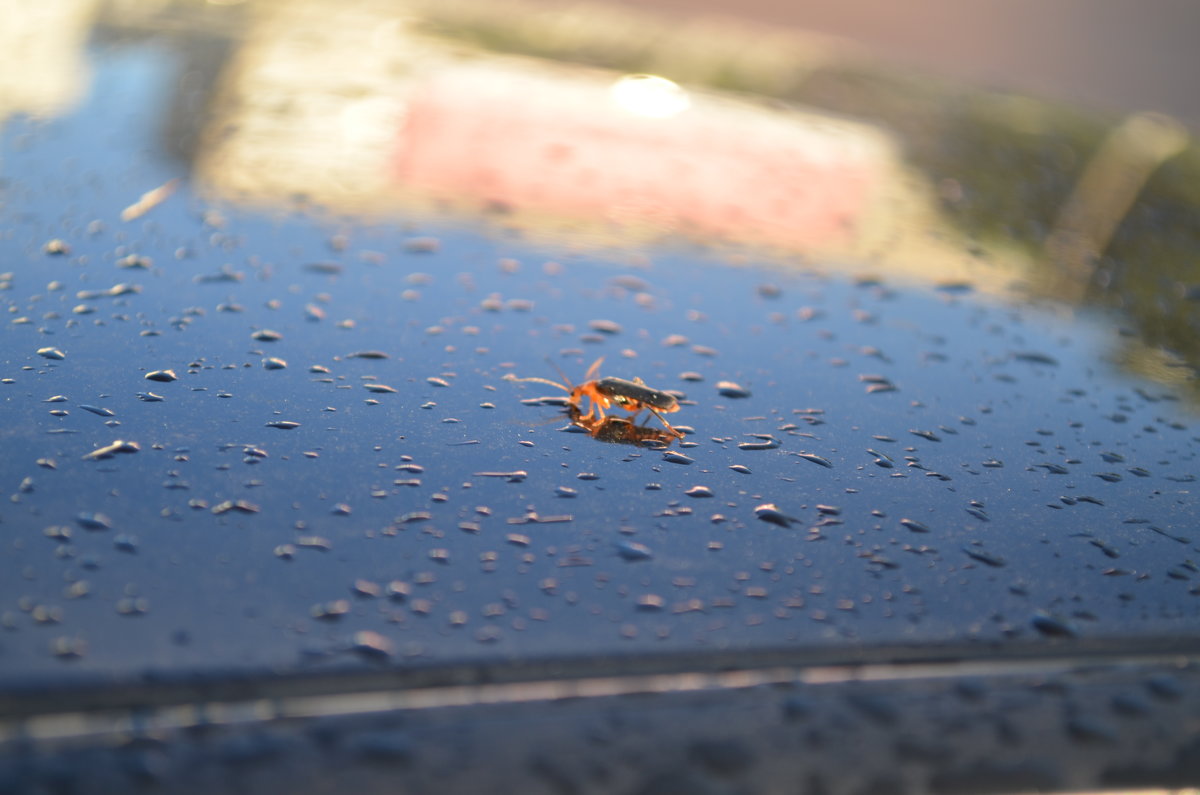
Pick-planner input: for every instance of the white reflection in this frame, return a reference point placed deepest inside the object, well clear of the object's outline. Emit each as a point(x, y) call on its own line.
point(651, 96)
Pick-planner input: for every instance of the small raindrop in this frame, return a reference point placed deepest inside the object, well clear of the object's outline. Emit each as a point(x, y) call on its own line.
point(422, 245)
point(605, 326)
point(731, 389)
point(380, 389)
point(1165, 687)
point(766, 442)
point(108, 451)
point(274, 363)
point(67, 648)
point(241, 506)
point(165, 376)
point(51, 353)
point(632, 550)
point(325, 268)
point(1051, 626)
point(60, 533)
point(767, 512)
point(915, 526)
point(985, 557)
point(1033, 357)
point(97, 410)
point(371, 645)
point(677, 458)
point(1090, 730)
point(266, 335)
point(651, 601)
point(329, 611)
point(286, 425)
point(135, 262)
point(89, 520)
point(699, 491)
point(816, 459)
point(133, 606)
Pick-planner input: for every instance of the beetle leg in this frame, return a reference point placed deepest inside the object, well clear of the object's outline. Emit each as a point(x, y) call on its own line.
point(667, 425)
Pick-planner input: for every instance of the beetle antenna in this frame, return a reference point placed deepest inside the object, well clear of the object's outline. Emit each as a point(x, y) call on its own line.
point(566, 380)
point(511, 377)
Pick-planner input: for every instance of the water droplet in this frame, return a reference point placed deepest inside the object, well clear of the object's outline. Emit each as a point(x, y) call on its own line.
point(51, 353)
point(915, 526)
point(767, 512)
point(164, 376)
point(68, 648)
point(422, 245)
point(241, 506)
point(325, 268)
point(371, 645)
point(102, 412)
point(1165, 686)
point(766, 442)
point(108, 451)
point(286, 425)
point(274, 363)
point(135, 262)
point(677, 458)
point(985, 557)
point(699, 491)
point(632, 550)
point(516, 476)
point(133, 606)
point(329, 611)
point(266, 335)
point(1033, 357)
point(379, 389)
point(731, 389)
point(1051, 626)
point(816, 459)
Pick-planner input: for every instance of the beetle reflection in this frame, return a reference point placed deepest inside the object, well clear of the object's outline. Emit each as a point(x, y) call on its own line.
point(619, 430)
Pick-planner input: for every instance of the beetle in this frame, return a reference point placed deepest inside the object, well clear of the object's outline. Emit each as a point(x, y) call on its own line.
point(605, 393)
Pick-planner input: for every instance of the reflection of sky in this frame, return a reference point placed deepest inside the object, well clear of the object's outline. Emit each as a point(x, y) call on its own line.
point(220, 595)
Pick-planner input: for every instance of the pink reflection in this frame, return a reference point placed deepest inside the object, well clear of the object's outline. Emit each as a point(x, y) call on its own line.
point(562, 147)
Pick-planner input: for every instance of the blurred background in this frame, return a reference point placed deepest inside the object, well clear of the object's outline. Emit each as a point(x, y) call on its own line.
point(1116, 55)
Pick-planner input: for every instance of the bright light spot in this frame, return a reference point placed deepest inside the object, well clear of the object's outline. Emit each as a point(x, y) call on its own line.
point(651, 96)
